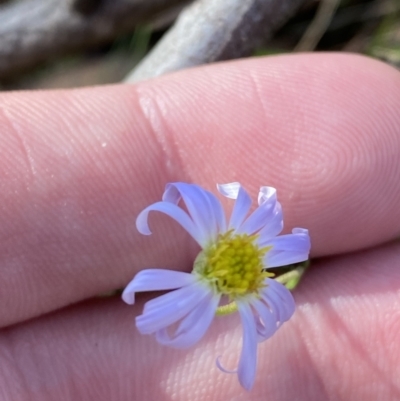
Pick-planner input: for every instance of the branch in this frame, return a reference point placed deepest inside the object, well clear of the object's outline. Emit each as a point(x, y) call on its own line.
point(318, 26)
point(32, 31)
point(213, 30)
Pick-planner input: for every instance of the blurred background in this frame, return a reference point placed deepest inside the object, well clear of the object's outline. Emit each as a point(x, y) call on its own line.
point(74, 43)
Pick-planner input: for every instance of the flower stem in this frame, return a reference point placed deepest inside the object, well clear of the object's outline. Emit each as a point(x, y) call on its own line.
point(292, 278)
point(226, 309)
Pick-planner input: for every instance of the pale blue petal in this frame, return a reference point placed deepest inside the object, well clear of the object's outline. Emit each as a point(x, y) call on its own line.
point(168, 298)
point(298, 241)
point(266, 194)
point(279, 299)
point(177, 304)
point(174, 212)
point(242, 205)
point(218, 211)
point(300, 231)
point(230, 190)
point(286, 297)
point(263, 214)
point(248, 357)
point(193, 326)
point(273, 305)
point(155, 280)
point(203, 207)
point(274, 226)
point(240, 210)
point(287, 249)
point(266, 323)
point(277, 259)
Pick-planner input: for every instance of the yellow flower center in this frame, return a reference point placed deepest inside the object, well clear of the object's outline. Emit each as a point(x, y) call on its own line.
point(233, 264)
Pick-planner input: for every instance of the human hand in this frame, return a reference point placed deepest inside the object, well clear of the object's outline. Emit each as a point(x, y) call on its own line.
point(78, 166)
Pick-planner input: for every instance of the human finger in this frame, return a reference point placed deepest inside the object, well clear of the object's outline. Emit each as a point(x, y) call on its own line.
point(341, 344)
point(78, 166)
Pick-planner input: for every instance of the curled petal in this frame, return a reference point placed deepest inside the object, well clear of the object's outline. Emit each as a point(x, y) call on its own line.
point(287, 303)
point(300, 231)
point(174, 307)
point(203, 207)
point(242, 205)
point(279, 299)
point(268, 210)
point(298, 241)
point(274, 226)
point(266, 323)
point(193, 326)
point(248, 356)
point(174, 212)
point(155, 280)
point(220, 367)
point(287, 249)
point(266, 194)
point(230, 190)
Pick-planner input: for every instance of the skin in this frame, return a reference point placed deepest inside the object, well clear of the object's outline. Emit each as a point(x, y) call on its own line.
point(77, 167)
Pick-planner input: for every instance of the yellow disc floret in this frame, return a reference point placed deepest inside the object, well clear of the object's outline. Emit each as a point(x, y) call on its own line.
point(233, 265)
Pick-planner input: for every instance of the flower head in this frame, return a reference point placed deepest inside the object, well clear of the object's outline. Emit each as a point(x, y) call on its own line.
point(232, 265)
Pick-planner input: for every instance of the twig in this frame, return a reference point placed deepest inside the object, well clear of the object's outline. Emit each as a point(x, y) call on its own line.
point(318, 26)
point(85, 7)
point(32, 31)
point(212, 30)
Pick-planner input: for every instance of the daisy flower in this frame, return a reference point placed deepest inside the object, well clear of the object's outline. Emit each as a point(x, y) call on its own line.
point(230, 274)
